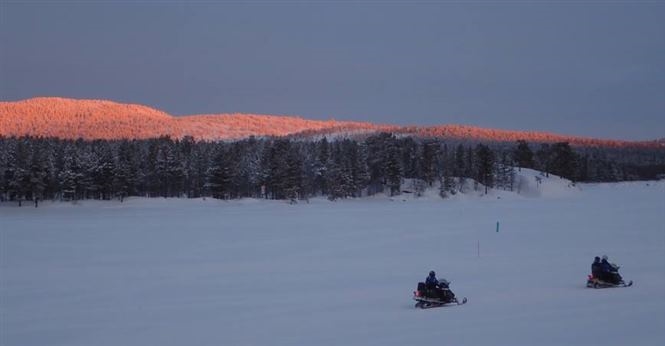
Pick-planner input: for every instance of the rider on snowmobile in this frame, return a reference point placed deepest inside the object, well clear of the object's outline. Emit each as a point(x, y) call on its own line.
point(596, 270)
point(609, 271)
point(438, 288)
point(431, 280)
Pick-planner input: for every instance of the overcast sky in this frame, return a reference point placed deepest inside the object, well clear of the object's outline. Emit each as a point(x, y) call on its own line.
point(589, 68)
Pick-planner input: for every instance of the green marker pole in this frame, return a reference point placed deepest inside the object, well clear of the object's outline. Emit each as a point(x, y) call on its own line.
point(497, 227)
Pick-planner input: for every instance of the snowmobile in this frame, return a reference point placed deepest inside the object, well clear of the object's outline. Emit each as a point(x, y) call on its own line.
point(594, 279)
point(435, 297)
point(594, 282)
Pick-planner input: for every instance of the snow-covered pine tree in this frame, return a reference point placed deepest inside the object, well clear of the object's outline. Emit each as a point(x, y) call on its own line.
point(544, 159)
point(320, 165)
point(38, 173)
point(104, 172)
point(359, 169)
point(70, 175)
point(563, 161)
point(522, 155)
point(447, 184)
point(485, 159)
point(429, 161)
point(376, 161)
point(504, 172)
point(126, 171)
point(219, 176)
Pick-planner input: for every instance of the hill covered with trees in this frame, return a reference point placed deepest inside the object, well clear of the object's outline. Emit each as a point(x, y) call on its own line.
point(99, 119)
point(55, 148)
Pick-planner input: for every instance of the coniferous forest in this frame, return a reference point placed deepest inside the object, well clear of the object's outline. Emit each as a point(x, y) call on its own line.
point(34, 169)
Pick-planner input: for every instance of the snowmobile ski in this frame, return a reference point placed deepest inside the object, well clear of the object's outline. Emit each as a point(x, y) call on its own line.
point(427, 303)
point(595, 283)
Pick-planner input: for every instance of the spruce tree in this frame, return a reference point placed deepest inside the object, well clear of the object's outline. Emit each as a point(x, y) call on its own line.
point(485, 166)
point(522, 155)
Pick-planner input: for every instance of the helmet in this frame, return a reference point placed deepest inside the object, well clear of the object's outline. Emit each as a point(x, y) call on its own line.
point(604, 257)
point(432, 273)
point(596, 259)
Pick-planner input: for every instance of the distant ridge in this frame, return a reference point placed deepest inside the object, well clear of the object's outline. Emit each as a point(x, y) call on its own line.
point(100, 119)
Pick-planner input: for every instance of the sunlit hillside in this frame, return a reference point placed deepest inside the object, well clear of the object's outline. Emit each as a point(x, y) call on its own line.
point(88, 119)
point(100, 119)
point(478, 133)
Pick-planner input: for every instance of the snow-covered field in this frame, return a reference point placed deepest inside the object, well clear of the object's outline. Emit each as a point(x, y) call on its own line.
point(207, 272)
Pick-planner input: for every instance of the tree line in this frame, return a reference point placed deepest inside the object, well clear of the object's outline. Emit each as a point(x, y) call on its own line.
point(34, 169)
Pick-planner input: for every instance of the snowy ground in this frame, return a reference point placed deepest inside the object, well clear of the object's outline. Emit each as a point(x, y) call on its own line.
point(207, 272)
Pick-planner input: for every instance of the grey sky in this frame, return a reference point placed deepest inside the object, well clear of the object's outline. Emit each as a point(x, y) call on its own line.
point(586, 68)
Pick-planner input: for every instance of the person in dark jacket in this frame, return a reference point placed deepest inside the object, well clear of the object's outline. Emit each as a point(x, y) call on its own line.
point(438, 289)
point(596, 270)
point(609, 271)
point(431, 281)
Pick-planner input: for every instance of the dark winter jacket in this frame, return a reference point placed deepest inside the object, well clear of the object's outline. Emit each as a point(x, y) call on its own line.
point(431, 281)
point(596, 269)
point(606, 267)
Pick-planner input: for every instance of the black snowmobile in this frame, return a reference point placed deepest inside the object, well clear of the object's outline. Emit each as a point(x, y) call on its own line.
point(607, 280)
point(432, 297)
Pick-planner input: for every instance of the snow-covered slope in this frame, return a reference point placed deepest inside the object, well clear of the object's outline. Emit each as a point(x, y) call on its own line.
point(207, 272)
point(536, 184)
point(528, 183)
